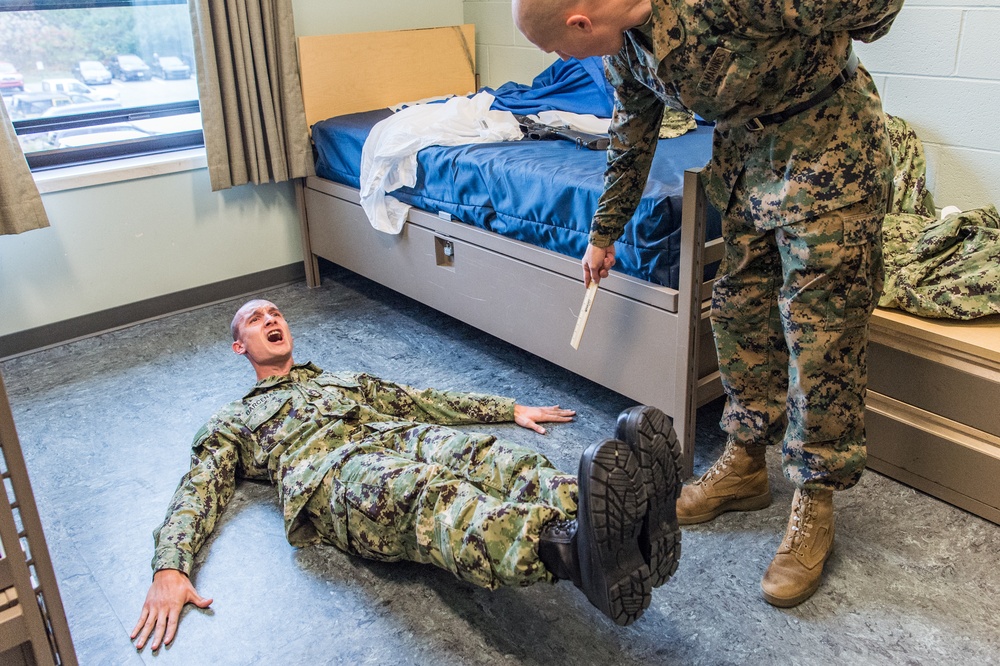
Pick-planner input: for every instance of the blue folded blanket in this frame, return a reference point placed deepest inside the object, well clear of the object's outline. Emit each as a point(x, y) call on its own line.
point(572, 85)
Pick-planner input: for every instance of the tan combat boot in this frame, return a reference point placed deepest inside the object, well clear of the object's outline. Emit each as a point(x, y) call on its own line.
point(736, 482)
point(794, 573)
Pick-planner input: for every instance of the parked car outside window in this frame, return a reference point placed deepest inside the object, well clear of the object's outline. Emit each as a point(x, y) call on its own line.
point(92, 73)
point(70, 86)
point(81, 104)
point(30, 105)
point(82, 40)
point(170, 67)
point(129, 67)
point(10, 79)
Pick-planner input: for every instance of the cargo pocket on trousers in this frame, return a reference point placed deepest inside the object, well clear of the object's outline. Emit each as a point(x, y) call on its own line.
point(371, 519)
point(862, 266)
point(464, 554)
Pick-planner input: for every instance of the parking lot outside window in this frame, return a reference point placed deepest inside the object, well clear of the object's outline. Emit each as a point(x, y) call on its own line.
point(89, 81)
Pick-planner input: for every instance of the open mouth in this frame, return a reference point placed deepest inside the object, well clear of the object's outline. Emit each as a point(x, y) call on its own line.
point(275, 335)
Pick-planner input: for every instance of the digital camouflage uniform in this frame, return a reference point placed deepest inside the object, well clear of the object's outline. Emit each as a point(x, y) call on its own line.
point(802, 202)
point(943, 268)
point(367, 466)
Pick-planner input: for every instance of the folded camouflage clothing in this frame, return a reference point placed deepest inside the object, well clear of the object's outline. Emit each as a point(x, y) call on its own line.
point(948, 268)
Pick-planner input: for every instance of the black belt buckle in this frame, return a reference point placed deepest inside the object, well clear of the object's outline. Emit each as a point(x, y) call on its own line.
point(754, 125)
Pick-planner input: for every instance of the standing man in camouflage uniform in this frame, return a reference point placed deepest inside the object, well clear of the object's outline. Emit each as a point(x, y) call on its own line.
point(800, 170)
point(368, 466)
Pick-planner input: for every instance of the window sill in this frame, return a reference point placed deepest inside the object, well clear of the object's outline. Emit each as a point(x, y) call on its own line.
point(113, 171)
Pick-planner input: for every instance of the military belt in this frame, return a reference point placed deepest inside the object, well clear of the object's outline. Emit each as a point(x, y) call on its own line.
point(845, 75)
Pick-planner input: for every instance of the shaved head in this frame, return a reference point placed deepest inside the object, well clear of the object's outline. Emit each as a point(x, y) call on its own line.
point(579, 28)
point(539, 20)
point(261, 334)
point(244, 310)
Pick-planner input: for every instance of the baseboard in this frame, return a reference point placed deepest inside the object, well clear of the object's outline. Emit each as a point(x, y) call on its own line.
point(50, 335)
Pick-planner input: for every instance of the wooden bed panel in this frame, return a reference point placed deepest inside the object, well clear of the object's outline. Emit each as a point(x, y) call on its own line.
point(372, 70)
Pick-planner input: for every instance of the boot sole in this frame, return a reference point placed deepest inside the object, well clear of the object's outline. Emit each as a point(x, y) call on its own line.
point(781, 602)
point(755, 503)
point(650, 434)
point(612, 503)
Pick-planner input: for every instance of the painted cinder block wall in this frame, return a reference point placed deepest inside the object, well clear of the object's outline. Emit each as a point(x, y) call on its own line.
point(939, 68)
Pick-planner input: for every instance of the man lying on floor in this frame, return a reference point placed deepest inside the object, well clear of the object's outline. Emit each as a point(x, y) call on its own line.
point(368, 466)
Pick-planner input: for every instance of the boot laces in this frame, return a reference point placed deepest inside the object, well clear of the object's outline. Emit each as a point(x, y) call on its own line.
point(718, 467)
point(801, 512)
point(560, 529)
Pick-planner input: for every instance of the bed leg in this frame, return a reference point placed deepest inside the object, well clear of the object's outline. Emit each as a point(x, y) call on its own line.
point(689, 306)
point(308, 258)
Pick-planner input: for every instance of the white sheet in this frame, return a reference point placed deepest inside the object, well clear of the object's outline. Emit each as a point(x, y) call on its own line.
point(389, 156)
point(582, 122)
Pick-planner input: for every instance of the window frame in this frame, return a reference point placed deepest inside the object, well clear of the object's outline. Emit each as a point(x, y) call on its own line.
point(60, 157)
point(74, 156)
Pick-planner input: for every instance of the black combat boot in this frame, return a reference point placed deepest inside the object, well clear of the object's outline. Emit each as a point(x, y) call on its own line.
point(557, 550)
point(613, 504)
point(650, 434)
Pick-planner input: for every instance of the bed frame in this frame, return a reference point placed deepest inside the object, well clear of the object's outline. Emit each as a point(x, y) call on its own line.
point(650, 343)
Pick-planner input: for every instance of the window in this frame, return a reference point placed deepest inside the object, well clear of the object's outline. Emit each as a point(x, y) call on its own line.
point(94, 80)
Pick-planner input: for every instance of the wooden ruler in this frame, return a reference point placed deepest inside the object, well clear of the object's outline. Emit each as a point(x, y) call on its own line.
point(581, 319)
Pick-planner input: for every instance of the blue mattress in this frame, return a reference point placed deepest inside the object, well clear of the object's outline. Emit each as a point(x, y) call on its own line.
point(539, 192)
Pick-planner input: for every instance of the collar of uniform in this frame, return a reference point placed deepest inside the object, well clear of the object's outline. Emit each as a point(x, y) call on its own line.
point(663, 31)
point(299, 372)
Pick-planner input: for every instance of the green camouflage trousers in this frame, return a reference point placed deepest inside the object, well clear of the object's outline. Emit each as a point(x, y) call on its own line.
point(465, 502)
point(790, 313)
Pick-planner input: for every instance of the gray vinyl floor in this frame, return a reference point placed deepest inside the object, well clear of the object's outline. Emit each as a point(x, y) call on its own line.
point(106, 424)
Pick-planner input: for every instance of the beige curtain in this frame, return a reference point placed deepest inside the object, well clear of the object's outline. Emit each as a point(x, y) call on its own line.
point(20, 204)
point(251, 100)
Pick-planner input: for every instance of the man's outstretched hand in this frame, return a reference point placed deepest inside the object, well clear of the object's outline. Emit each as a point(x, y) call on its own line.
point(530, 417)
point(171, 589)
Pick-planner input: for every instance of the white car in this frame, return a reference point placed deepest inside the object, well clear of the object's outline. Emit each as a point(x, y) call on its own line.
point(74, 87)
point(81, 105)
point(92, 72)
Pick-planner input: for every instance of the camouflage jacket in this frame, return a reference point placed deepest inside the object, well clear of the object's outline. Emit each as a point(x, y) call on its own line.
point(283, 431)
point(731, 61)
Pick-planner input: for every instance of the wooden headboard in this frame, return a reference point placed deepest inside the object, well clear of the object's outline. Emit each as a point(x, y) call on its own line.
point(371, 70)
